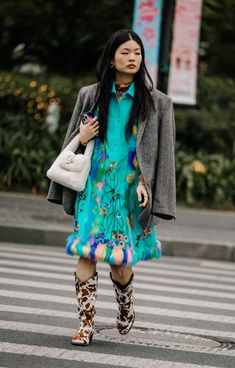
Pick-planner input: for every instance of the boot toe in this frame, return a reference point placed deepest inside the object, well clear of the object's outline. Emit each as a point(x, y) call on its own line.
point(82, 339)
point(125, 327)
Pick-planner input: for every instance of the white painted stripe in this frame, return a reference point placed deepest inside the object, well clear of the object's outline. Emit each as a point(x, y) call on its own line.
point(108, 320)
point(89, 357)
point(151, 265)
point(218, 264)
point(168, 280)
point(110, 293)
point(156, 271)
point(138, 285)
point(64, 331)
point(164, 262)
point(153, 311)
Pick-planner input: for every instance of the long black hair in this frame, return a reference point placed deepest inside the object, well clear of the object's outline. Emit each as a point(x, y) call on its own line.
point(106, 75)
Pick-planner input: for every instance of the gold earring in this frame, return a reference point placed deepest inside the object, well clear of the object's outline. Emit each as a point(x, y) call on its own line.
point(111, 64)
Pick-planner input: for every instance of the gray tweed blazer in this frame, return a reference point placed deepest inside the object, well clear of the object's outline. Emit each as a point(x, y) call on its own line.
point(155, 153)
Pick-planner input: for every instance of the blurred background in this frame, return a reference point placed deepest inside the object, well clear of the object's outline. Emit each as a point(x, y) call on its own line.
point(49, 49)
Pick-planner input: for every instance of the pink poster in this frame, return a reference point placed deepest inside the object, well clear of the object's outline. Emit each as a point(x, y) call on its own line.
point(184, 55)
point(147, 24)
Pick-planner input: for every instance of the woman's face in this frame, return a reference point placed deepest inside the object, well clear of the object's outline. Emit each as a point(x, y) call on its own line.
point(127, 58)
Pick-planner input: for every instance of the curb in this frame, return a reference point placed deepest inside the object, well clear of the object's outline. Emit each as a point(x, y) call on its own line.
point(55, 237)
point(203, 250)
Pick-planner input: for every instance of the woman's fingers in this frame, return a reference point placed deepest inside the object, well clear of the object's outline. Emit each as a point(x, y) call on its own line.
point(93, 121)
point(142, 193)
point(95, 131)
point(138, 194)
point(145, 201)
point(95, 128)
point(89, 130)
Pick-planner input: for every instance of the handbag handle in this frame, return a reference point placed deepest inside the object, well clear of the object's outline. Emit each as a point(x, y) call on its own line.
point(73, 145)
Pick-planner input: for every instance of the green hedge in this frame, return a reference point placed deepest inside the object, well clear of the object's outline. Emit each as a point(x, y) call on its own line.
point(211, 126)
point(31, 96)
point(26, 147)
point(205, 179)
point(205, 154)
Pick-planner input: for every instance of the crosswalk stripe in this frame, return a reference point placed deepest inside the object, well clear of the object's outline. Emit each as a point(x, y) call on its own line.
point(221, 265)
point(217, 285)
point(138, 285)
point(138, 296)
point(156, 271)
point(109, 320)
point(68, 332)
point(89, 357)
point(111, 306)
point(163, 263)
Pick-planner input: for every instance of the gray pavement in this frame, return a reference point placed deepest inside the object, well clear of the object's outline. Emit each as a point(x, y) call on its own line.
point(31, 219)
point(185, 313)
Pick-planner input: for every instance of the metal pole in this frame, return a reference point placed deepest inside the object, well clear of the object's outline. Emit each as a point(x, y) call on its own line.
point(165, 43)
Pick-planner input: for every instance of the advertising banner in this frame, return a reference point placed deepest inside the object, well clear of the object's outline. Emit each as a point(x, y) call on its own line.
point(182, 81)
point(147, 24)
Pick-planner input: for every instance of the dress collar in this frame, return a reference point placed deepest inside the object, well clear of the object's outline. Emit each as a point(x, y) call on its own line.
point(130, 91)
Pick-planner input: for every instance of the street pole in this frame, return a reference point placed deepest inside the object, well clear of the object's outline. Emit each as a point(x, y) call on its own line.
point(165, 43)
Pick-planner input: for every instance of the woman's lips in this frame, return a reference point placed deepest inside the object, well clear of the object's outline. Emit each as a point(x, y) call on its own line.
point(132, 66)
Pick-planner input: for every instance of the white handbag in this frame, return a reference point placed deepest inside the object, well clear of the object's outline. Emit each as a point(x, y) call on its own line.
point(71, 170)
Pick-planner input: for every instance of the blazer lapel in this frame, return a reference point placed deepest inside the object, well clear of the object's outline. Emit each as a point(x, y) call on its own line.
point(93, 98)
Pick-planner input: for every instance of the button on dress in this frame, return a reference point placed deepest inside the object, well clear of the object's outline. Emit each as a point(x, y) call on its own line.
point(106, 226)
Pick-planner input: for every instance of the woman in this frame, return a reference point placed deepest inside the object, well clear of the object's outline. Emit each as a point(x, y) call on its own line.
point(131, 182)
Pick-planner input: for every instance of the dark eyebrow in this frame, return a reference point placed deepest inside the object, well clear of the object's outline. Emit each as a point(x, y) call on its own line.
point(126, 48)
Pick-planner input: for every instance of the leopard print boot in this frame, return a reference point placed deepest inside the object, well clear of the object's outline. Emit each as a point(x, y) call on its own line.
point(86, 298)
point(124, 297)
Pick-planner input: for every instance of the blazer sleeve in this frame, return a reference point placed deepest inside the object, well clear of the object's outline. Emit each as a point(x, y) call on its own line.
point(164, 194)
point(55, 192)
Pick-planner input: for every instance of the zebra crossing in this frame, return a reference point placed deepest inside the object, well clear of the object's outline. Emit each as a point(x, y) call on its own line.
point(185, 313)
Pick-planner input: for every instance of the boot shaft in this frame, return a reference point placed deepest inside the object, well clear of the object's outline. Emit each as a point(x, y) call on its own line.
point(86, 293)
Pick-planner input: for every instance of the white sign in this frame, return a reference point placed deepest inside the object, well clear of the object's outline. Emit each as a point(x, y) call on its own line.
point(182, 82)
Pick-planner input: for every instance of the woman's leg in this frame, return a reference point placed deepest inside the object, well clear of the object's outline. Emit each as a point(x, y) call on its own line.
point(86, 281)
point(122, 278)
point(121, 274)
point(85, 269)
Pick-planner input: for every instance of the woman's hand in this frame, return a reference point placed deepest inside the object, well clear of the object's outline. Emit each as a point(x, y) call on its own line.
point(89, 130)
point(142, 192)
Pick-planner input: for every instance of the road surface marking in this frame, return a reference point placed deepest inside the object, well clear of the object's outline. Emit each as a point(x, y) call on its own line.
point(88, 357)
point(109, 320)
point(138, 285)
point(208, 317)
point(52, 267)
point(106, 292)
point(68, 332)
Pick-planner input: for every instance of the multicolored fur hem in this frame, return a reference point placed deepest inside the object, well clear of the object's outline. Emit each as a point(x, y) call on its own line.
point(107, 253)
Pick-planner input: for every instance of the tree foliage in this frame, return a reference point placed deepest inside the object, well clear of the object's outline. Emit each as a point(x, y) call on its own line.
point(66, 36)
point(218, 35)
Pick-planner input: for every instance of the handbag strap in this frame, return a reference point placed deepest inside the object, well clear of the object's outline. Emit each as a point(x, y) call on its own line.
point(73, 145)
point(89, 148)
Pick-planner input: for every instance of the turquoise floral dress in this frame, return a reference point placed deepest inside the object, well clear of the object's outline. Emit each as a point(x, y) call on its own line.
point(106, 226)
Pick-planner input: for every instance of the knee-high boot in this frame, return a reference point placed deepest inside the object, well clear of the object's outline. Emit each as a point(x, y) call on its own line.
point(86, 297)
point(124, 297)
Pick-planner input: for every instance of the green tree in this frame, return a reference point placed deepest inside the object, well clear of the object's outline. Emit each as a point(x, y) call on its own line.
point(67, 36)
point(218, 34)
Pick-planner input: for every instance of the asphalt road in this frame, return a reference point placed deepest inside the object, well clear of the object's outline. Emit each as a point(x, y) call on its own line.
point(185, 313)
